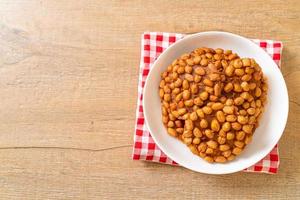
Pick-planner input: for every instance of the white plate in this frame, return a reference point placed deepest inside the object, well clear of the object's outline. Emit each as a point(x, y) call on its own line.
point(272, 123)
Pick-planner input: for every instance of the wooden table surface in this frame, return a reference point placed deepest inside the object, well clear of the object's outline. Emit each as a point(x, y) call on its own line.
point(68, 79)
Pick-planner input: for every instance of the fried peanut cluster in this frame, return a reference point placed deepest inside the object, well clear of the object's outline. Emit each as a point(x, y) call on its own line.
point(212, 101)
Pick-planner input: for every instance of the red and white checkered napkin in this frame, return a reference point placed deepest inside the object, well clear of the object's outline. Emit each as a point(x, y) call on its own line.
point(153, 44)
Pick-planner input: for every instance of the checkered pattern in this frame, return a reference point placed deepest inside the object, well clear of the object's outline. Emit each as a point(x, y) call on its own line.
point(153, 44)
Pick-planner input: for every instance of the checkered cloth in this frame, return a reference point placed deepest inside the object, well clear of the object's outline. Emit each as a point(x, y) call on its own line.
point(153, 44)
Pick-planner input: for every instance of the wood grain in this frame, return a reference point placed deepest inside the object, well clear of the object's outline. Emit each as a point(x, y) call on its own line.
point(68, 79)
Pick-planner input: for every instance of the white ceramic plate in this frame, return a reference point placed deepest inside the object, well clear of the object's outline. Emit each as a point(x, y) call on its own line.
point(272, 123)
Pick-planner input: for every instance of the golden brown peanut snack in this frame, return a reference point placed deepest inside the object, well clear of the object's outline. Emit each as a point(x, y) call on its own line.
point(212, 101)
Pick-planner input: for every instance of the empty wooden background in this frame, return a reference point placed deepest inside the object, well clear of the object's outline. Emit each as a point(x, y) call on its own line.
point(68, 85)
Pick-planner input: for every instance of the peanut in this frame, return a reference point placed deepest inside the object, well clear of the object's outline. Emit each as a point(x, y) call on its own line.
point(238, 101)
point(193, 116)
point(231, 118)
point(239, 144)
point(237, 151)
point(240, 135)
point(226, 126)
point(230, 136)
point(208, 82)
point(203, 123)
point(228, 109)
point(203, 95)
point(220, 116)
point(172, 132)
point(185, 84)
point(224, 147)
point(221, 140)
point(207, 110)
point(186, 94)
point(202, 147)
point(220, 159)
point(228, 87)
point(188, 124)
point(209, 159)
point(212, 144)
point(209, 133)
point(200, 113)
point(236, 126)
point(237, 63)
point(217, 106)
point(197, 132)
point(215, 126)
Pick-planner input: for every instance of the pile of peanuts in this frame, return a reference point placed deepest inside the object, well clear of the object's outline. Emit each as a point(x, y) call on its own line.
point(212, 101)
